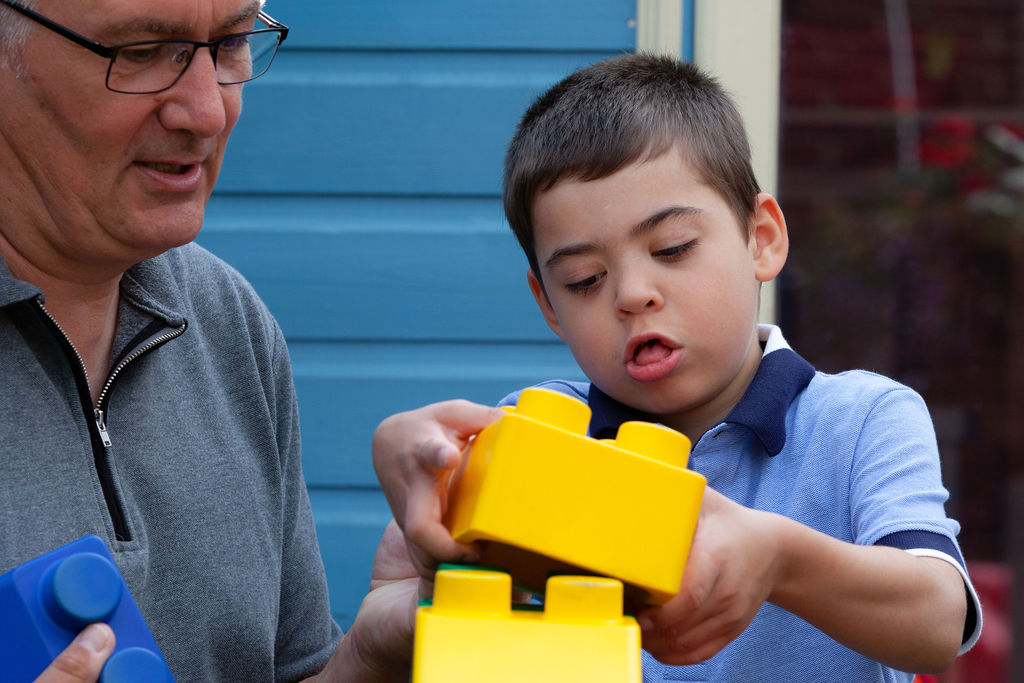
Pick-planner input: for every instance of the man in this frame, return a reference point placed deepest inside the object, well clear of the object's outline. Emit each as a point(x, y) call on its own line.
point(147, 394)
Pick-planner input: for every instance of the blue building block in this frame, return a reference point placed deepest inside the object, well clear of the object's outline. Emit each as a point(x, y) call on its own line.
point(46, 602)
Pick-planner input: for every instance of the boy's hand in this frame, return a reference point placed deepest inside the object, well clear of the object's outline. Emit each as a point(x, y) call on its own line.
point(415, 454)
point(730, 572)
point(903, 611)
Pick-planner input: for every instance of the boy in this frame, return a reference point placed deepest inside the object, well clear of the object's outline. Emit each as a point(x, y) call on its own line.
point(823, 551)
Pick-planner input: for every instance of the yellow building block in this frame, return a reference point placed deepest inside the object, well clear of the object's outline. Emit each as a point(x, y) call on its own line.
point(472, 632)
point(545, 498)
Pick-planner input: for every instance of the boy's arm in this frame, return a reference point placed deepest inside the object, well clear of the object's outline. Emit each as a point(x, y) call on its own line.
point(904, 611)
point(415, 454)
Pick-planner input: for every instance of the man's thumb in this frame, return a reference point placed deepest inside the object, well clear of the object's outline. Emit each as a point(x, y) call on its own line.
point(83, 659)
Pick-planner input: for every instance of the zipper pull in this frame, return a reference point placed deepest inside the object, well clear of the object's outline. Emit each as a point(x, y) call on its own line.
point(102, 426)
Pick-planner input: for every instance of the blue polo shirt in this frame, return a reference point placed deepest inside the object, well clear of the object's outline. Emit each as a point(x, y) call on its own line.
point(852, 455)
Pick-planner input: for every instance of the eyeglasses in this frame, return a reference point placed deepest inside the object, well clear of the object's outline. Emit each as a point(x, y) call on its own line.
point(155, 65)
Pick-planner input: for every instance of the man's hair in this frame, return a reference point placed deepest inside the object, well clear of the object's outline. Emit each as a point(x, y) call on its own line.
point(623, 110)
point(14, 30)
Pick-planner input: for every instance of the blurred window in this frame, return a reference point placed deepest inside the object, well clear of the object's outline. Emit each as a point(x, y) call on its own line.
point(902, 179)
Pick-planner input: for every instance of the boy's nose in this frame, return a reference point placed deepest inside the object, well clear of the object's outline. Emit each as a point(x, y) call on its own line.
point(635, 295)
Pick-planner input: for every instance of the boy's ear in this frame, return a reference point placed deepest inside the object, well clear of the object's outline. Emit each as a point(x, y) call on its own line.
point(542, 302)
point(770, 239)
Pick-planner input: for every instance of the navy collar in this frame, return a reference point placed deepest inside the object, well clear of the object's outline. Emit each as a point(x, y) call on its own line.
point(781, 375)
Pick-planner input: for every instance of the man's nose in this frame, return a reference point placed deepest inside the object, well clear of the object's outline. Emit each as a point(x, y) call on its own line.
point(196, 102)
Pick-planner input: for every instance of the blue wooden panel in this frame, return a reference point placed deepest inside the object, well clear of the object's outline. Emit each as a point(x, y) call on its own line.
point(386, 124)
point(460, 24)
point(346, 390)
point(348, 525)
point(389, 285)
point(400, 286)
point(244, 214)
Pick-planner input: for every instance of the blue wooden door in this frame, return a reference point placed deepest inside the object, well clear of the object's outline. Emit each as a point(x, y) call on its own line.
point(361, 197)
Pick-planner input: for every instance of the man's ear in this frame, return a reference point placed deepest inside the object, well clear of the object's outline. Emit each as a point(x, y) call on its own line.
point(769, 239)
point(542, 302)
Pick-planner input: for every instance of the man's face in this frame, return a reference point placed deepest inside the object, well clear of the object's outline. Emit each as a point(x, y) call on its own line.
point(106, 178)
point(651, 281)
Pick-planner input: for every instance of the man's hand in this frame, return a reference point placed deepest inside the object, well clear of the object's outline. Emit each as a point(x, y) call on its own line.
point(730, 572)
point(378, 647)
point(415, 455)
point(83, 659)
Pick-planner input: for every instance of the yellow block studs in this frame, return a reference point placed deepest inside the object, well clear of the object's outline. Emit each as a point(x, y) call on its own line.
point(545, 498)
point(580, 636)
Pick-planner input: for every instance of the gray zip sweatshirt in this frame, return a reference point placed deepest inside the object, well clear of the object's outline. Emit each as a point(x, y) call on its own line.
point(189, 467)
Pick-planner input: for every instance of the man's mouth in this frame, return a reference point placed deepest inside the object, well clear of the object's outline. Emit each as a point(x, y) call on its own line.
point(165, 167)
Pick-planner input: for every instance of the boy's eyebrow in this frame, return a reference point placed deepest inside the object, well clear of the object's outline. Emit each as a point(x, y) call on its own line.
point(644, 226)
point(652, 221)
point(565, 252)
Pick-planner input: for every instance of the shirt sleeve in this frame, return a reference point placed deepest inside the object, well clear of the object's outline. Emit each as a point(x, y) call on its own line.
point(307, 635)
point(897, 492)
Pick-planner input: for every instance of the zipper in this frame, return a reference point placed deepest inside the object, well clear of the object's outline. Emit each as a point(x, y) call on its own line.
point(151, 344)
point(97, 415)
point(101, 425)
point(101, 457)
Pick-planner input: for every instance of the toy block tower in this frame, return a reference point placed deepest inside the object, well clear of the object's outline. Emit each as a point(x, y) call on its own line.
point(545, 498)
point(472, 632)
point(45, 602)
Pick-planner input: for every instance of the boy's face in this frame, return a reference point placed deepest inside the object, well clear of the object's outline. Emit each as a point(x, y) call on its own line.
point(652, 282)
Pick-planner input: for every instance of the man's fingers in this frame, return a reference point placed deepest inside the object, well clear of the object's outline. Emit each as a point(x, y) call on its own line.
point(392, 562)
point(83, 659)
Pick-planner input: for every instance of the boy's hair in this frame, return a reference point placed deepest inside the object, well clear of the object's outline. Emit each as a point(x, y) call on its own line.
point(619, 111)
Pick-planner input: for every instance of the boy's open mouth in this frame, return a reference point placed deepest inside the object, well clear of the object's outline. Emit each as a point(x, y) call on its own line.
point(650, 351)
point(651, 359)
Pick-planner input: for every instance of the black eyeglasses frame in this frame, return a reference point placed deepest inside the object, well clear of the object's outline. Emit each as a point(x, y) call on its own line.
point(110, 51)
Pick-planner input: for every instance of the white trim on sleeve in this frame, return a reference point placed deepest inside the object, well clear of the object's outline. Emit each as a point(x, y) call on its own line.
point(930, 552)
